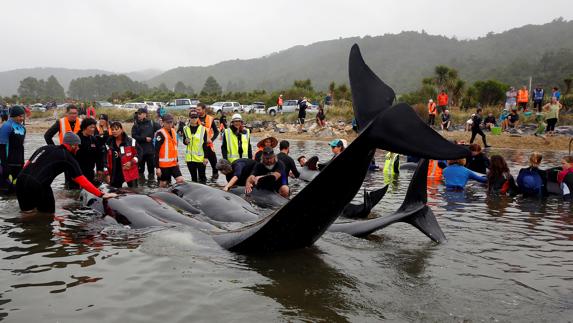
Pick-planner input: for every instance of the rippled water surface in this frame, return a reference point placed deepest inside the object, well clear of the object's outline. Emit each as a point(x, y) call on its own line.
point(507, 259)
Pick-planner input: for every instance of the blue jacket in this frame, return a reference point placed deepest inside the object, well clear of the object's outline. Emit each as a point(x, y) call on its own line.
point(538, 94)
point(456, 176)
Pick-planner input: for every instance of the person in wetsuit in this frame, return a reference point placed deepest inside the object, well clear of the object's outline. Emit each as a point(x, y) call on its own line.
point(70, 122)
point(12, 135)
point(290, 166)
point(237, 172)
point(476, 128)
point(33, 187)
point(337, 146)
point(91, 152)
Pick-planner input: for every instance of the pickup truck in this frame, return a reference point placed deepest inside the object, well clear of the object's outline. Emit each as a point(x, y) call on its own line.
point(182, 104)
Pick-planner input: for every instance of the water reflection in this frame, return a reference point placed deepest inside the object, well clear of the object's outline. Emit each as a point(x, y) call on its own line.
point(304, 284)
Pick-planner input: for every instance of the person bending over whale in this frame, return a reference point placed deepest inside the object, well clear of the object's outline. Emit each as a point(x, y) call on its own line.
point(33, 185)
point(269, 166)
point(237, 172)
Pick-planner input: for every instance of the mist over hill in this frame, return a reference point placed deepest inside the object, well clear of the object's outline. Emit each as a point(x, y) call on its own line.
point(402, 60)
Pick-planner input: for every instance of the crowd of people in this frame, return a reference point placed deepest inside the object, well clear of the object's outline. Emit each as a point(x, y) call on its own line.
point(546, 115)
point(95, 150)
point(495, 173)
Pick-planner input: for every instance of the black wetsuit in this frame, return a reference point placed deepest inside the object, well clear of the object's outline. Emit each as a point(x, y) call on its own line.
point(478, 163)
point(12, 135)
point(242, 168)
point(50, 133)
point(476, 130)
point(33, 185)
point(140, 131)
point(289, 164)
point(90, 155)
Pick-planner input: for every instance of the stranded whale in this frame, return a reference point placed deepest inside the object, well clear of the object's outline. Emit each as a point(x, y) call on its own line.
point(301, 221)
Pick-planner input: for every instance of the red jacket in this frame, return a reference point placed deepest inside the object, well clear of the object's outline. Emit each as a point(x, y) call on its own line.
point(128, 153)
point(442, 99)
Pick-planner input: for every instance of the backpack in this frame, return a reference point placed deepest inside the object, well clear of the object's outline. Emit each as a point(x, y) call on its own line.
point(529, 182)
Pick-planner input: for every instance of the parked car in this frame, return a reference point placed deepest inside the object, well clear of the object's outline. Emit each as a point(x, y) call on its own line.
point(63, 105)
point(288, 106)
point(225, 107)
point(37, 107)
point(182, 104)
point(103, 104)
point(153, 106)
point(255, 107)
point(134, 105)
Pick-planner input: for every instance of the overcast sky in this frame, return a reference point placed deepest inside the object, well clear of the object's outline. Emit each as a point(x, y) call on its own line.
point(128, 35)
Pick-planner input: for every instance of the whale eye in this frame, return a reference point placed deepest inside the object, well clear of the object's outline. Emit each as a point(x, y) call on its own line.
point(227, 198)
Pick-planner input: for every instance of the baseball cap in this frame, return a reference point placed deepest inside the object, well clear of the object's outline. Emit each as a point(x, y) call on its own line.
point(336, 143)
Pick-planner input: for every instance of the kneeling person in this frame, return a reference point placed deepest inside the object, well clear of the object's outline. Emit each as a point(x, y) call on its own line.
point(237, 172)
point(269, 166)
point(33, 187)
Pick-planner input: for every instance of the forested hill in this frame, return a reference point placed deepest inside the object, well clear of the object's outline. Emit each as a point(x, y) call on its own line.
point(402, 60)
point(10, 80)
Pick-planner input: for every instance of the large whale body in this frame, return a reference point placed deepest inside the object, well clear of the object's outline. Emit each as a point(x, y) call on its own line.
point(301, 221)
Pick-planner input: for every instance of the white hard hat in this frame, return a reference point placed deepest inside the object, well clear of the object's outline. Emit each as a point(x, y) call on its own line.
point(237, 117)
point(430, 100)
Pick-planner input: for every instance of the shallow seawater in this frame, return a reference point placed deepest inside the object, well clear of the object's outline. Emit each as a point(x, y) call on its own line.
point(506, 259)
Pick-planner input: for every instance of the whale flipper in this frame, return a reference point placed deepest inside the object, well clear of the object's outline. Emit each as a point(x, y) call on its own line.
point(413, 211)
point(360, 211)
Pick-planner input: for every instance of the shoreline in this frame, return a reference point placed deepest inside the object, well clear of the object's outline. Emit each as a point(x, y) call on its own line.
point(338, 131)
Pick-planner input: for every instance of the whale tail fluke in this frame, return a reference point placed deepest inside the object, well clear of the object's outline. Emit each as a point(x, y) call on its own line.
point(413, 211)
point(394, 128)
point(369, 93)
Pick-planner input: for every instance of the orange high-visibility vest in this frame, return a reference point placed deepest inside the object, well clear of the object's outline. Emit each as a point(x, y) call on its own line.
point(168, 150)
point(432, 108)
point(100, 130)
point(65, 127)
point(208, 126)
point(442, 99)
point(434, 170)
point(280, 101)
point(522, 96)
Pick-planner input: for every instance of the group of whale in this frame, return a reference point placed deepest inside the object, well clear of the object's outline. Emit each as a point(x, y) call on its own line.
point(235, 225)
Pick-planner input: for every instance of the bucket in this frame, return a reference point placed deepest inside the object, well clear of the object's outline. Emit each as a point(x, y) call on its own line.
point(496, 131)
